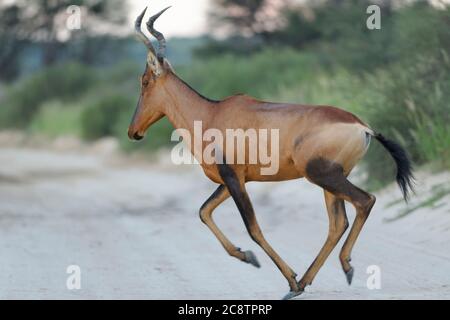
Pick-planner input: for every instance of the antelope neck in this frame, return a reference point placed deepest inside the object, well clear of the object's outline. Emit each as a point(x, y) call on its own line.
point(185, 105)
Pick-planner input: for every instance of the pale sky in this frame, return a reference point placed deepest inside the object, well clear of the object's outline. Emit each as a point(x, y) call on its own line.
point(185, 18)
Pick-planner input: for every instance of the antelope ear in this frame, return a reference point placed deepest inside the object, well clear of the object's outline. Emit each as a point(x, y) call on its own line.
point(153, 64)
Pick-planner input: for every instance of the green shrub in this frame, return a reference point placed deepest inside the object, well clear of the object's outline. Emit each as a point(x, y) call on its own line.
point(62, 82)
point(414, 109)
point(260, 75)
point(57, 119)
point(433, 140)
point(420, 30)
point(100, 118)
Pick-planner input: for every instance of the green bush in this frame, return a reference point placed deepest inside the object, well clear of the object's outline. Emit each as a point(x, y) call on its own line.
point(433, 140)
point(414, 109)
point(23, 101)
point(260, 75)
point(57, 119)
point(420, 30)
point(100, 118)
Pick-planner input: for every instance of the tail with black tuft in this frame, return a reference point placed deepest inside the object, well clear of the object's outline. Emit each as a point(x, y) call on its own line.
point(405, 177)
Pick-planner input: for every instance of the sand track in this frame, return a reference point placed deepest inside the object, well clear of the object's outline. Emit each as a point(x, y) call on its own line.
point(134, 231)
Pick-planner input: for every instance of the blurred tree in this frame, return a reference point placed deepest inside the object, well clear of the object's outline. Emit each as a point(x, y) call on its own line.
point(337, 31)
point(44, 22)
point(247, 17)
point(248, 25)
point(254, 24)
point(344, 36)
point(10, 45)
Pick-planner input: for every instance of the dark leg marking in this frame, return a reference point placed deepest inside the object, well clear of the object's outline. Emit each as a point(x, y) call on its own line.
point(331, 177)
point(244, 205)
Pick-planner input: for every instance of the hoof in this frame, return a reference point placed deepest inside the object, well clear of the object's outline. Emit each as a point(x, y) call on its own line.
point(292, 295)
point(250, 258)
point(349, 276)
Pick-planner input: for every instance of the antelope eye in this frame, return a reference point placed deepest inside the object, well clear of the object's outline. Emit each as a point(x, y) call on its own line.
point(145, 83)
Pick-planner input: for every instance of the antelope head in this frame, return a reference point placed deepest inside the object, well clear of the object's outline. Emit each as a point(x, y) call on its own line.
point(151, 100)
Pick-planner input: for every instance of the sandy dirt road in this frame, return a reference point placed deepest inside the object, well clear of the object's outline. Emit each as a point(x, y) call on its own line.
point(134, 231)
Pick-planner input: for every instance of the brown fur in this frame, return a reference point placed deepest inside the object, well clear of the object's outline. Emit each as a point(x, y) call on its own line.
point(320, 143)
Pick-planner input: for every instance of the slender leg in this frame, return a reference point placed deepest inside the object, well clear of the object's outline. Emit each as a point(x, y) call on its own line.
point(362, 213)
point(206, 211)
point(330, 176)
point(236, 187)
point(338, 224)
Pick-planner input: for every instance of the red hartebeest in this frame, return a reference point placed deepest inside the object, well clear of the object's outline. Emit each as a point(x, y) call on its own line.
point(322, 144)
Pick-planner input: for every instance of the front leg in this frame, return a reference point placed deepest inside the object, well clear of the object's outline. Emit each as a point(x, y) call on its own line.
point(236, 188)
point(206, 211)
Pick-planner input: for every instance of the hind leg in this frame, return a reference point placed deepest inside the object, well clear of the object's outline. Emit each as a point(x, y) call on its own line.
point(332, 178)
point(337, 226)
point(362, 213)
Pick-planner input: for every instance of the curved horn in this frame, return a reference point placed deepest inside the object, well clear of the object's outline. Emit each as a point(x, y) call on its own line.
point(140, 35)
point(158, 35)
